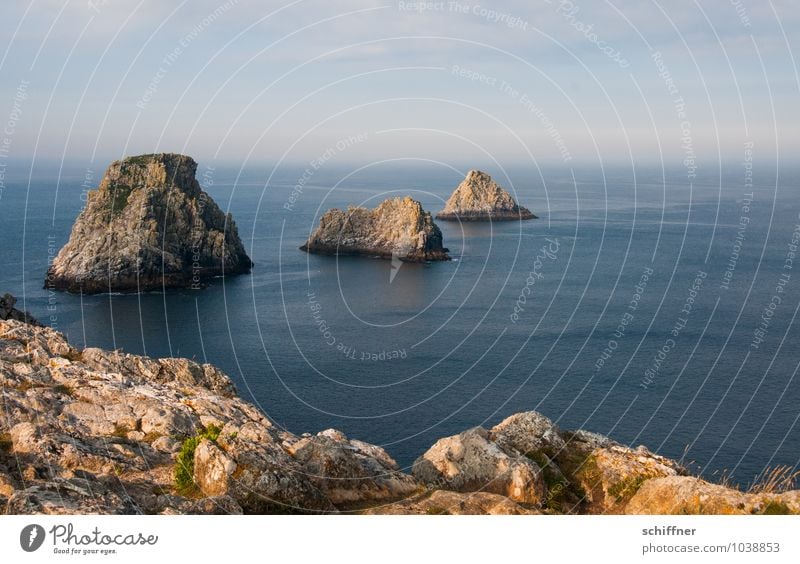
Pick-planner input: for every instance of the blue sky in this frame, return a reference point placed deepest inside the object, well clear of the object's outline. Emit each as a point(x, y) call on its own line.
point(556, 82)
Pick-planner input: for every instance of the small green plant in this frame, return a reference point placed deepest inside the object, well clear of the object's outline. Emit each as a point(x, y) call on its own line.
point(436, 510)
point(119, 197)
point(561, 495)
point(776, 508)
point(184, 463)
point(140, 159)
point(627, 488)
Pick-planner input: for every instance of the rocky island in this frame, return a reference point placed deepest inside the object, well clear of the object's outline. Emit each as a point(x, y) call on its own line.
point(104, 432)
point(148, 226)
point(397, 229)
point(479, 198)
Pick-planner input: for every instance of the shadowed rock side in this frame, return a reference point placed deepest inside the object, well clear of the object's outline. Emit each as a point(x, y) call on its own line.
point(8, 311)
point(148, 226)
point(94, 431)
point(479, 198)
point(397, 229)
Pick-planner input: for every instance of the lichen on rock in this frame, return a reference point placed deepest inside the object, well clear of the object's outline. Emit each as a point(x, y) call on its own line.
point(148, 226)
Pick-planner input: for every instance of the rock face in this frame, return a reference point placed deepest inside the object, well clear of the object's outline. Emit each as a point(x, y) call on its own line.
point(8, 311)
point(479, 198)
point(470, 462)
point(148, 226)
point(397, 229)
point(442, 502)
point(95, 431)
point(684, 495)
point(350, 471)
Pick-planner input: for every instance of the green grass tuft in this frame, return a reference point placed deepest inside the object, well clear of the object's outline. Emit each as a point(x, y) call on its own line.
point(627, 488)
point(184, 464)
point(436, 510)
point(776, 508)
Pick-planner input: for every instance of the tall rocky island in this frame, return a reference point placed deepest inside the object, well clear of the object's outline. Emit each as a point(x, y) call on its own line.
point(479, 198)
point(398, 228)
point(148, 226)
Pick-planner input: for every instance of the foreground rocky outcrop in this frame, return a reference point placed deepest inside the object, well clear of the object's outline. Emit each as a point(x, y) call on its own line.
point(148, 226)
point(97, 431)
point(479, 198)
point(94, 431)
point(397, 229)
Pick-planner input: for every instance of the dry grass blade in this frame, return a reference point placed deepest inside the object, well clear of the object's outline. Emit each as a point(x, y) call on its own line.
point(779, 479)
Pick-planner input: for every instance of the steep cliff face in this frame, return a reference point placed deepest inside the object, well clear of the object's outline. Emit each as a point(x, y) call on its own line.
point(148, 226)
point(398, 228)
point(479, 198)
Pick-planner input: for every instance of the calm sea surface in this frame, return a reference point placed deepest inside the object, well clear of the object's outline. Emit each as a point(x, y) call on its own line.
point(631, 308)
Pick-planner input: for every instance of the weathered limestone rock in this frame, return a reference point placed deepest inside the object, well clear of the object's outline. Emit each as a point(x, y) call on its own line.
point(99, 432)
point(398, 228)
point(528, 432)
point(212, 468)
point(685, 495)
point(148, 226)
point(471, 462)
point(479, 198)
point(442, 502)
point(350, 471)
point(609, 474)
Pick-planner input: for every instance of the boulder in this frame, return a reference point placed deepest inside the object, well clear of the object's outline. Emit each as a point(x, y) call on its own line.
point(686, 495)
point(528, 432)
point(351, 472)
point(470, 462)
point(607, 474)
point(212, 468)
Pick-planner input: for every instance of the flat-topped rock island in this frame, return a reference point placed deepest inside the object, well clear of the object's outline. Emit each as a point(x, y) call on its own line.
point(397, 229)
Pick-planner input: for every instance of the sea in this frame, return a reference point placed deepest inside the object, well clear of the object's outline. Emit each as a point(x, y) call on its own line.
point(654, 305)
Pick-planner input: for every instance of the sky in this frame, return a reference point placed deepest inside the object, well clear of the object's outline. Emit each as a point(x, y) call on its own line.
point(686, 83)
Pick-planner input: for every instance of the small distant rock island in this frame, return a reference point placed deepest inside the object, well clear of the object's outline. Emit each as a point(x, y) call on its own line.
point(398, 228)
point(148, 226)
point(479, 198)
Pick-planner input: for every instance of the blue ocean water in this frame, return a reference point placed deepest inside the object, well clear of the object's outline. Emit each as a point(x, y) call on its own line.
point(634, 307)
